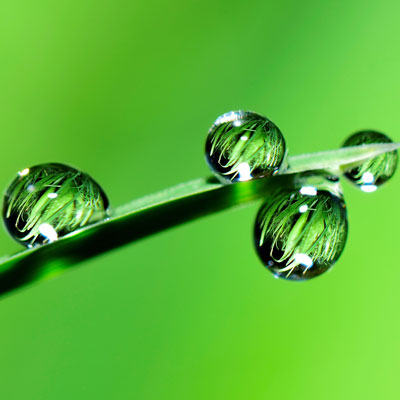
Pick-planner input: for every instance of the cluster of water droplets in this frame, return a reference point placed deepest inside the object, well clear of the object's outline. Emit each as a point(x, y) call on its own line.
point(300, 231)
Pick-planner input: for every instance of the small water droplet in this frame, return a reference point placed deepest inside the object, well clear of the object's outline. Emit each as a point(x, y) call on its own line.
point(376, 171)
point(243, 145)
point(48, 201)
point(299, 234)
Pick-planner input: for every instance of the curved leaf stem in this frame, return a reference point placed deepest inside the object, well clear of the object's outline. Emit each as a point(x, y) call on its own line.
point(154, 213)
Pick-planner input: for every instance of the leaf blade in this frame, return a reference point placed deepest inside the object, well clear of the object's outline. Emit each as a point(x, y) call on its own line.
point(154, 213)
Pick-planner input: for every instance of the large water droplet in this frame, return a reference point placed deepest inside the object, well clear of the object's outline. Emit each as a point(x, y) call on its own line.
point(376, 171)
point(48, 201)
point(300, 233)
point(243, 145)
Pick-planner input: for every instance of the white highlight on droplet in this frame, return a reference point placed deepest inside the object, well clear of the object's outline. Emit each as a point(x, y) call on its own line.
point(368, 188)
point(24, 172)
point(304, 259)
point(308, 190)
point(227, 117)
point(244, 138)
point(52, 195)
point(244, 172)
point(303, 208)
point(31, 188)
point(367, 177)
point(238, 122)
point(48, 232)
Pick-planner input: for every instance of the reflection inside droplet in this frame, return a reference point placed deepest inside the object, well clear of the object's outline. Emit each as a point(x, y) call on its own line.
point(300, 236)
point(47, 201)
point(367, 177)
point(303, 208)
point(368, 180)
point(241, 139)
point(48, 232)
point(308, 190)
point(371, 173)
point(244, 172)
point(24, 172)
point(304, 259)
point(368, 188)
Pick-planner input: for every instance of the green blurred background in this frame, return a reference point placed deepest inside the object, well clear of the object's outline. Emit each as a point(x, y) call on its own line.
point(126, 90)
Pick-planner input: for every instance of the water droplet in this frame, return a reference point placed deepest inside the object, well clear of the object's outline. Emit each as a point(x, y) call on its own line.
point(376, 171)
point(300, 233)
point(243, 145)
point(48, 201)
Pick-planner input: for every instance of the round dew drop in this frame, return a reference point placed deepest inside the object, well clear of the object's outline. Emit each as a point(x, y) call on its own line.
point(243, 145)
point(376, 171)
point(300, 233)
point(48, 201)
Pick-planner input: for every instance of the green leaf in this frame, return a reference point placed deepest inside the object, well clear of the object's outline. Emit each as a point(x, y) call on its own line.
point(154, 213)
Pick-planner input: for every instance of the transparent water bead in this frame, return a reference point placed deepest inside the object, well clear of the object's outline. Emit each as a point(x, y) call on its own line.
point(243, 145)
point(376, 171)
point(48, 201)
point(300, 233)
